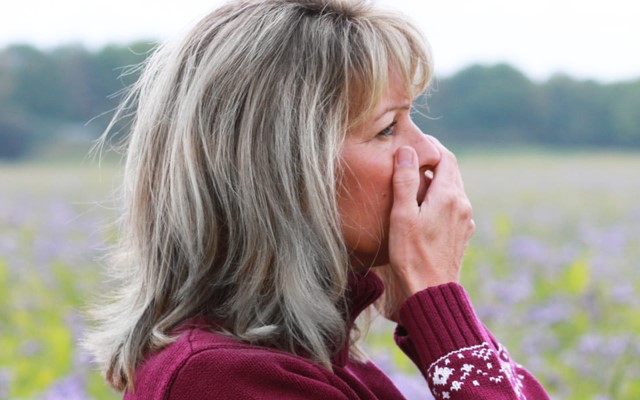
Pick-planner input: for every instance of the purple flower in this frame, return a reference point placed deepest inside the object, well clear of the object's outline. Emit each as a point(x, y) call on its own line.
point(553, 311)
point(590, 343)
point(8, 244)
point(30, 348)
point(516, 289)
point(527, 248)
point(71, 387)
point(5, 380)
point(62, 215)
point(412, 386)
point(624, 293)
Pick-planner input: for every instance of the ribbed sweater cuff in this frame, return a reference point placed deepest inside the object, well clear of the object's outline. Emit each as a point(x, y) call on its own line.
point(437, 321)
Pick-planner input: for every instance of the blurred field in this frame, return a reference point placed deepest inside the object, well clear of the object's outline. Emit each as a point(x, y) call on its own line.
point(552, 270)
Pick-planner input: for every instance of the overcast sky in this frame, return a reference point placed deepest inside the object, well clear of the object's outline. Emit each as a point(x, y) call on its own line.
point(588, 39)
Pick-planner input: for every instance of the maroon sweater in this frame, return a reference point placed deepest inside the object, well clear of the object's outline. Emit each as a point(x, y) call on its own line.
point(438, 330)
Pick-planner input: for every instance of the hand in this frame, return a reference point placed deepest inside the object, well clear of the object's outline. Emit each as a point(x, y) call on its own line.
point(427, 241)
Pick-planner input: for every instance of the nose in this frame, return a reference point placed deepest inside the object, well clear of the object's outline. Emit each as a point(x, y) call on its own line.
point(428, 158)
point(428, 153)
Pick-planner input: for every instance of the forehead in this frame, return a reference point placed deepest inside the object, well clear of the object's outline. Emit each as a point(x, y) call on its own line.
point(395, 95)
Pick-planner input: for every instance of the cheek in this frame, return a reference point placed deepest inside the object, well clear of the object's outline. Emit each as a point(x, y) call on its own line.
point(365, 201)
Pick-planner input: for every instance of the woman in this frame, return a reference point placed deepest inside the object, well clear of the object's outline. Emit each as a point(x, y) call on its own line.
point(274, 180)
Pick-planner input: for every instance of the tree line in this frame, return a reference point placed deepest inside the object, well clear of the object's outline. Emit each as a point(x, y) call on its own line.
point(498, 104)
point(47, 95)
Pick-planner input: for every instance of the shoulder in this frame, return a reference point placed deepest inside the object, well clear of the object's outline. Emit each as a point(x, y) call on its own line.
point(202, 364)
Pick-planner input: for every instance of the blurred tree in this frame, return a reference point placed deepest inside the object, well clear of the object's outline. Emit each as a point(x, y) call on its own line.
point(114, 69)
point(490, 105)
point(74, 66)
point(487, 105)
point(15, 138)
point(577, 112)
point(35, 84)
point(65, 86)
point(625, 109)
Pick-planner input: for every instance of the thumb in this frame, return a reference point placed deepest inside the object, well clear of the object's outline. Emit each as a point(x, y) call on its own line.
point(406, 177)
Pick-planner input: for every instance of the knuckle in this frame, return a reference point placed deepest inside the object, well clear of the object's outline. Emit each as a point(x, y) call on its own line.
point(466, 211)
point(459, 203)
point(448, 199)
point(453, 199)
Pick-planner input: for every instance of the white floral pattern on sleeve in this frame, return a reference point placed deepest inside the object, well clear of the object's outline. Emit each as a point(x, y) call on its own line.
point(463, 371)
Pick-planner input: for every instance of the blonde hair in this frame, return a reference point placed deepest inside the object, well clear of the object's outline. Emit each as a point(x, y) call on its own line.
point(231, 171)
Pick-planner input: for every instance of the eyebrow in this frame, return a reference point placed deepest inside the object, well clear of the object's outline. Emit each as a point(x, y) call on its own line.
point(405, 106)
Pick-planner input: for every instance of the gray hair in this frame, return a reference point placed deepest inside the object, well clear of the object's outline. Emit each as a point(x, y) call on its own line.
point(233, 159)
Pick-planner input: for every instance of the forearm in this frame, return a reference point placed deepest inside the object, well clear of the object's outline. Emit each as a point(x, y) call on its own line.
point(455, 352)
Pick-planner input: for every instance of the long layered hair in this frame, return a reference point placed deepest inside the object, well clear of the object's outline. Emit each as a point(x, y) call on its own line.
point(233, 158)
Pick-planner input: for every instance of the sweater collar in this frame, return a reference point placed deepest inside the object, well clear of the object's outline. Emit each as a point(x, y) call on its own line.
point(364, 288)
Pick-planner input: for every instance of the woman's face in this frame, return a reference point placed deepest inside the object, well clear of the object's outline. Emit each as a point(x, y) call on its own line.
point(365, 195)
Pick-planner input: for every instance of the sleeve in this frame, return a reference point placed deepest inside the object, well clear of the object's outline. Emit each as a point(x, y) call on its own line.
point(460, 359)
point(228, 374)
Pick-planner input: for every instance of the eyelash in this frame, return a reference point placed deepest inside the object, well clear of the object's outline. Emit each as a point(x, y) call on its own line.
point(388, 131)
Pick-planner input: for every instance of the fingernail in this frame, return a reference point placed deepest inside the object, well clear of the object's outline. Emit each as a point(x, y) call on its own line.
point(404, 157)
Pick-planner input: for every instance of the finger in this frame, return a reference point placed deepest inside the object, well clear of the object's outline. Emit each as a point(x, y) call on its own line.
point(447, 170)
point(406, 177)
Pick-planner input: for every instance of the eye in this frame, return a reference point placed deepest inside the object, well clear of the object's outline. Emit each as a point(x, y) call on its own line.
point(388, 131)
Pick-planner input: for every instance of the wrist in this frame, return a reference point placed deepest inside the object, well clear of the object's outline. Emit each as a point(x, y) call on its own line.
point(414, 283)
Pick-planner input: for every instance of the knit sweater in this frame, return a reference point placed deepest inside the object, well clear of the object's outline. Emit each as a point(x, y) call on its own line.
point(438, 330)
